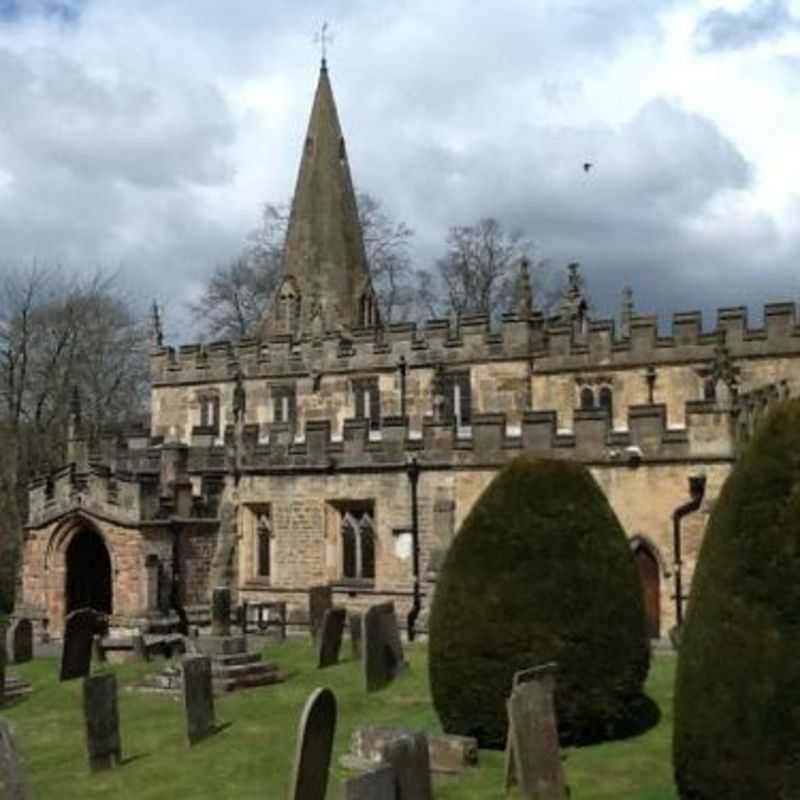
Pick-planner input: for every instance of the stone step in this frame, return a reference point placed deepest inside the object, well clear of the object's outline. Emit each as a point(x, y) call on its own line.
point(234, 659)
point(242, 669)
point(264, 678)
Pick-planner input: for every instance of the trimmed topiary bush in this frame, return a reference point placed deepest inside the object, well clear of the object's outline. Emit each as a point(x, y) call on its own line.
point(737, 693)
point(539, 571)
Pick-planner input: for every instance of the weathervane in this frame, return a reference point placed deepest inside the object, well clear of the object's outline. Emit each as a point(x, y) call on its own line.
point(323, 38)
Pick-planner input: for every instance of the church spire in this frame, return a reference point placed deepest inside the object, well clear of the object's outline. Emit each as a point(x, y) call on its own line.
point(325, 282)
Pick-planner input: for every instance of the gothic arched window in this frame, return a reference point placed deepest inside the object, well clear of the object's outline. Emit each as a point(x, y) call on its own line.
point(264, 545)
point(358, 544)
point(587, 398)
point(605, 400)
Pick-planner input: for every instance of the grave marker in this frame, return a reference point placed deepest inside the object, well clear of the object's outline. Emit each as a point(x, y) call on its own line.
point(314, 747)
point(79, 629)
point(331, 637)
point(355, 620)
point(320, 599)
point(198, 698)
point(20, 641)
point(409, 757)
point(221, 611)
point(102, 721)
point(381, 647)
point(377, 783)
point(12, 775)
point(533, 758)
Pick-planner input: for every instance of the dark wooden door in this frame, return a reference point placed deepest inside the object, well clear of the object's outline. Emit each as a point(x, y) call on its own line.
point(651, 590)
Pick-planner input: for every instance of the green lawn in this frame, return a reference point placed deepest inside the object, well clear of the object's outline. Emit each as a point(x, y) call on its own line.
point(251, 758)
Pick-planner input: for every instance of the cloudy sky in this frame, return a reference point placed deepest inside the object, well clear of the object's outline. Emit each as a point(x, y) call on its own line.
point(147, 134)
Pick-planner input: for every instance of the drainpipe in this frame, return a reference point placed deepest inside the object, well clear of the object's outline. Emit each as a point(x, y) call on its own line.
point(697, 490)
point(402, 366)
point(412, 470)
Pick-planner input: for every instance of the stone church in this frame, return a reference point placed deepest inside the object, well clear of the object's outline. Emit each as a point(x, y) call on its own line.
point(323, 448)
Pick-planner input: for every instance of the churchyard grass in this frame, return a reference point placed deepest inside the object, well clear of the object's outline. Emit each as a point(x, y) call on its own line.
point(251, 756)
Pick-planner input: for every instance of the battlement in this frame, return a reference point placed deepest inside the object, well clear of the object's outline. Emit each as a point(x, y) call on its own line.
point(471, 340)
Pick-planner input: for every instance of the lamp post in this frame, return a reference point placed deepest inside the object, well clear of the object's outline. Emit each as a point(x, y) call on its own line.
point(412, 471)
point(697, 490)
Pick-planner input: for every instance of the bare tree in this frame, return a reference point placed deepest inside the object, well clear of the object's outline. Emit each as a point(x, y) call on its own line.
point(238, 291)
point(58, 332)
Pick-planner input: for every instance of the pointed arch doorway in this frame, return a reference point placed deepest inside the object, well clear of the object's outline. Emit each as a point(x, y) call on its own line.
point(88, 572)
point(650, 577)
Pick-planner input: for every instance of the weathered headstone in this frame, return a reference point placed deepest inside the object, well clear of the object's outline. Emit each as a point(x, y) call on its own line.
point(452, 754)
point(533, 758)
point(12, 775)
point(381, 647)
point(221, 611)
point(102, 721)
point(314, 747)
point(198, 697)
point(79, 629)
point(320, 599)
point(140, 652)
point(20, 641)
point(355, 620)
point(377, 783)
point(331, 637)
point(408, 756)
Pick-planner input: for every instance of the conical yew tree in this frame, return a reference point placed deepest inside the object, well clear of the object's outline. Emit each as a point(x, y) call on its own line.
point(737, 693)
point(539, 571)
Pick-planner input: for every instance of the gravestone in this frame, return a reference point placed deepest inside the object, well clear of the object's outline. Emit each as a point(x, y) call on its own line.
point(79, 629)
point(221, 611)
point(320, 599)
point(533, 758)
point(98, 650)
point(198, 697)
point(140, 652)
point(20, 641)
point(102, 721)
point(377, 783)
point(314, 747)
point(355, 634)
point(12, 775)
point(382, 651)
point(409, 758)
point(331, 637)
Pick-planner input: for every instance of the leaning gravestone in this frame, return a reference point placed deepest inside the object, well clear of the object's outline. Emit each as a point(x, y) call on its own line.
point(79, 629)
point(331, 637)
point(12, 776)
point(221, 611)
point(409, 757)
point(381, 648)
point(102, 721)
point(377, 783)
point(198, 698)
point(533, 758)
point(314, 747)
point(355, 634)
point(320, 599)
point(20, 641)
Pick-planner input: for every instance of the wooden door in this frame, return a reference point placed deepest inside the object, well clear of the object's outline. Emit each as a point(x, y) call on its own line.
point(651, 590)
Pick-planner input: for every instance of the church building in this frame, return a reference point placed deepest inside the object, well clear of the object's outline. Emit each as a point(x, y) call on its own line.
point(323, 448)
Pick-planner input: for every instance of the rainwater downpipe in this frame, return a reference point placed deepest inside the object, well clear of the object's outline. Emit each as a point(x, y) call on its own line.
point(697, 490)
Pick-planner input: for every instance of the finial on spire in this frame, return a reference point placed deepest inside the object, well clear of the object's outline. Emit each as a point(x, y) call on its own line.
point(523, 300)
point(323, 38)
point(156, 334)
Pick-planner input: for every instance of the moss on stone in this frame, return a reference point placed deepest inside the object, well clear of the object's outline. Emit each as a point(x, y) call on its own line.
point(539, 571)
point(737, 700)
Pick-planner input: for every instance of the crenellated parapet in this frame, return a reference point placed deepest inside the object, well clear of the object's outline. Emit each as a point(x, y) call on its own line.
point(470, 340)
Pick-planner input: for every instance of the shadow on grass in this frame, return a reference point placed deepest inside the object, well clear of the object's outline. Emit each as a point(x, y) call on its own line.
point(642, 715)
point(130, 759)
point(223, 726)
point(10, 702)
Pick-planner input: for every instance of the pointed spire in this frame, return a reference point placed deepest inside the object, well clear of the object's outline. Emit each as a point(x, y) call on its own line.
point(324, 263)
point(626, 312)
point(523, 295)
point(156, 334)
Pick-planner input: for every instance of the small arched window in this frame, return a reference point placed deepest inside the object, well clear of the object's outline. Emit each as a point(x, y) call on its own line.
point(710, 389)
point(605, 399)
point(587, 398)
point(358, 544)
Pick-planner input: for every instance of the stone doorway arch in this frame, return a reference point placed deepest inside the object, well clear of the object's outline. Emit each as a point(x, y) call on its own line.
point(88, 572)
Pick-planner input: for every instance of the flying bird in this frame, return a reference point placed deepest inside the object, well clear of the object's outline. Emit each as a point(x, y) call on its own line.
point(587, 166)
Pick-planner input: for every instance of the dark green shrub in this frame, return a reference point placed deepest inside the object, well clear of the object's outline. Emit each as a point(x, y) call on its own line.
point(539, 571)
point(737, 694)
